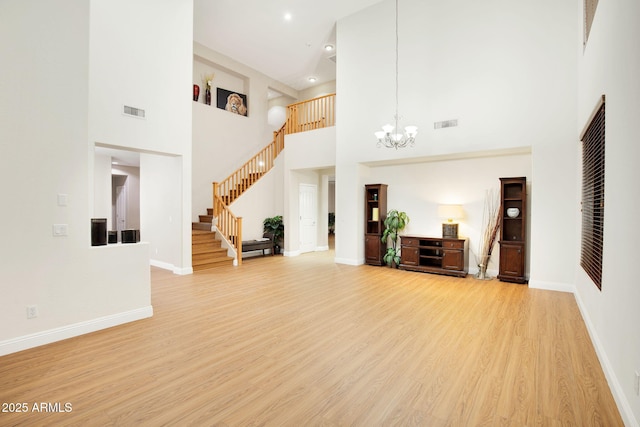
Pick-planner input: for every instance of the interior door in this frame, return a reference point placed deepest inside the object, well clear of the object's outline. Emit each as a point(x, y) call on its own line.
point(308, 217)
point(121, 208)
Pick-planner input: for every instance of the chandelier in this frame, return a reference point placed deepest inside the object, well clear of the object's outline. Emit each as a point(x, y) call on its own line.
point(387, 137)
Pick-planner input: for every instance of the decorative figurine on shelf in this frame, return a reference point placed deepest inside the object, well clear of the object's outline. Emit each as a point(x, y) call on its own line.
point(196, 92)
point(208, 82)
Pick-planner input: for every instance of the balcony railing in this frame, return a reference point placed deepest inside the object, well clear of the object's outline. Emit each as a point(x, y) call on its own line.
point(313, 114)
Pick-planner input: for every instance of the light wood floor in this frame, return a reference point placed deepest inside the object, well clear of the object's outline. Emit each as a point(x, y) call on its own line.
point(306, 342)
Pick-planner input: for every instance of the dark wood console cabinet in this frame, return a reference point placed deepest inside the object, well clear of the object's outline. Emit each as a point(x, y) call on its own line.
point(375, 211)
point(513, 232)
point(434, 255)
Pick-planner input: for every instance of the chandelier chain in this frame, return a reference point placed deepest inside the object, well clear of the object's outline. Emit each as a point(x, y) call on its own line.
point(391, 136)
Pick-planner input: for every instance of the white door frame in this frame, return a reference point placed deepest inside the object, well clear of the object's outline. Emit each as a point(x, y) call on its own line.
point(308, 217)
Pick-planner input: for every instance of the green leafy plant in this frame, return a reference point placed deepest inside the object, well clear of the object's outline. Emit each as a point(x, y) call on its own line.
point(332, 222)
point(394, 223)
point(275, 226)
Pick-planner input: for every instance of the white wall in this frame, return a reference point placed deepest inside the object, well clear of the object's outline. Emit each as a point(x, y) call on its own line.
point(492, 74)
point(102, 194)
point(135, 61)
point(610, 65)
point(161, 179)
point(309, 159)
point(317, 90)
point(68, 66)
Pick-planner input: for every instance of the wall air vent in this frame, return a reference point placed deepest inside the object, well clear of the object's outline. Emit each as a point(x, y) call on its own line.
point(134, 112)
point(445, 124)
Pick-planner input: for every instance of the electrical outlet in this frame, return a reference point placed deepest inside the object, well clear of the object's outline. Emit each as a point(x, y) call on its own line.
point(60, 230)
point(637, 383)
point(32, 311)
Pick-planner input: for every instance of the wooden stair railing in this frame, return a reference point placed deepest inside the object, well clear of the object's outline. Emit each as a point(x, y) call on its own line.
point(313, 114)
point(225, 192)
point(303, 116)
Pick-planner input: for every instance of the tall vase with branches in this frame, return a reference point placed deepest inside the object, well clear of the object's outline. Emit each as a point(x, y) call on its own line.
point(491, 222)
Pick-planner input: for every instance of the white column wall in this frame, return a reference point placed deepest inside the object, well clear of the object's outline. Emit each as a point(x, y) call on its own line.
point(610, 65)
point(135, 61)
point(68, 67)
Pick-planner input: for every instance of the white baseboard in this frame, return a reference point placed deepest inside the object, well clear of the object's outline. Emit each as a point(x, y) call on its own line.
point(166, 266)
point(62, 333)
point(552, 286)
point(348, 261)
point(161, 264)
point(183, 271)
point(616, 389)
point(614, 385)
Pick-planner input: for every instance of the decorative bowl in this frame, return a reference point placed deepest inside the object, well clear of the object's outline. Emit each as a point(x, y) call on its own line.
point(513, 212)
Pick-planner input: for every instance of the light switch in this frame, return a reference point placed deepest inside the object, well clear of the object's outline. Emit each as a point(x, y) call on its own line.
point(63, 199)
point(60, 230)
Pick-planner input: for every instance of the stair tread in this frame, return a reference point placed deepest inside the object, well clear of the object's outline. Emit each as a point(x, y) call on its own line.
point(197, 263)
point(209, 252)
point(206, 219)
point(202, 232)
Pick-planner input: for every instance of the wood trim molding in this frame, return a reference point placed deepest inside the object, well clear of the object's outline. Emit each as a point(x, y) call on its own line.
point(601, 101)
point(64, 332)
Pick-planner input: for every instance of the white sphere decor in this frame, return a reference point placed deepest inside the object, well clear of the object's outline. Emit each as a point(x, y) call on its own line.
point(513, 212)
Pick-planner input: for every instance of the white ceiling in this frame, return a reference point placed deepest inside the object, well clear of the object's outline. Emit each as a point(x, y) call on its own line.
point(255, 33)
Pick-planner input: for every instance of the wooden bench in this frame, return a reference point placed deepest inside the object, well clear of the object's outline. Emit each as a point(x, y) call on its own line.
point(257, 245)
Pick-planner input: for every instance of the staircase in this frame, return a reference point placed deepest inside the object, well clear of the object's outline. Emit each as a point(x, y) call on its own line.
point(206, 250)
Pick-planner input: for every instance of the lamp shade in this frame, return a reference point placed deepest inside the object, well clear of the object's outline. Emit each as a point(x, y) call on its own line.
point(450, 212)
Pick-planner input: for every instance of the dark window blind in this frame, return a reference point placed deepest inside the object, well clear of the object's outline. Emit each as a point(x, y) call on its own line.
point(593, 196)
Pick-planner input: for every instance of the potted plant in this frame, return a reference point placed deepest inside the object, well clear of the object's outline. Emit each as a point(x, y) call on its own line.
point(332, 222)
point(275, 227)
point(393, 223)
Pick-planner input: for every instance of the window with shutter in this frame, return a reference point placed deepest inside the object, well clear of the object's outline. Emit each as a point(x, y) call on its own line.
point(593, 194)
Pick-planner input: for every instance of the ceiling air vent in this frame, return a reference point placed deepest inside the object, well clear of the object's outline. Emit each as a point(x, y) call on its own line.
point(134, 112)
point(445, 124)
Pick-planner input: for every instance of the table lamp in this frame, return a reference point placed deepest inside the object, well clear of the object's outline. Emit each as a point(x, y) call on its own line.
point(450, 213)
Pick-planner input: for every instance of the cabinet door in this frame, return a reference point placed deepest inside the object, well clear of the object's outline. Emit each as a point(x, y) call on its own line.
point(409, 255)
point(372, 249)
point(452, 259)
point(512, 260)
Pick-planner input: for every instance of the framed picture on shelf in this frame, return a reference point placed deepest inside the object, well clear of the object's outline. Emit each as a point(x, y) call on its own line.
point(233, 102)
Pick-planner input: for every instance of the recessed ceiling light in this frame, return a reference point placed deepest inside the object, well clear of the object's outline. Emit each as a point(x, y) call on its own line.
point(287, 16)
point(328, 47)
point(312, 79)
